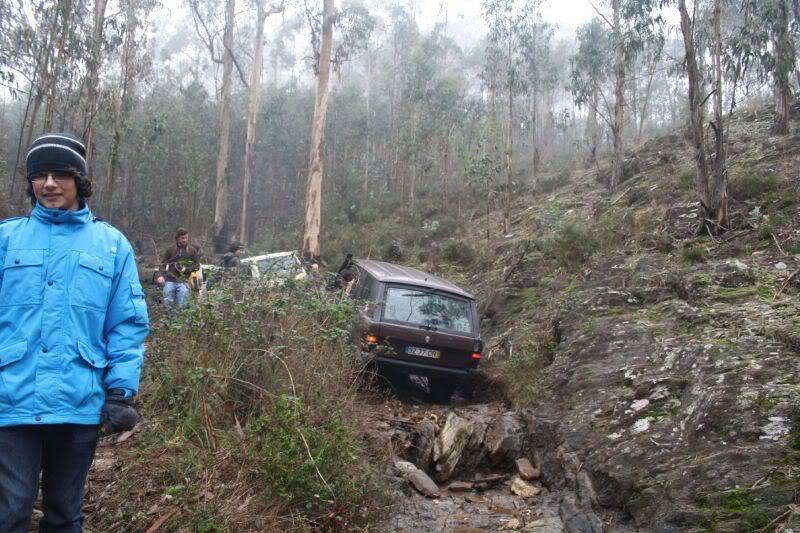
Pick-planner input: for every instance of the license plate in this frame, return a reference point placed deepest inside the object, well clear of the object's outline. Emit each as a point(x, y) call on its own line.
point(422, 352)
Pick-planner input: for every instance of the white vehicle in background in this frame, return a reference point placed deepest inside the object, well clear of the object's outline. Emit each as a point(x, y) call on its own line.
point(275, 269)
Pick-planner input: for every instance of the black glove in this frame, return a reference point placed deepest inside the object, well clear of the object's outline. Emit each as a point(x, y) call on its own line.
point(118, 414)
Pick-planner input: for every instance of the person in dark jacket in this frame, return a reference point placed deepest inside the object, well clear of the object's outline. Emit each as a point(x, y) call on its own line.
point(231, 258)
point(73, 320)
point(180, 263)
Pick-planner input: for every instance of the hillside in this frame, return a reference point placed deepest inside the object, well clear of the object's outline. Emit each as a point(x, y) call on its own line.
point(666, 362)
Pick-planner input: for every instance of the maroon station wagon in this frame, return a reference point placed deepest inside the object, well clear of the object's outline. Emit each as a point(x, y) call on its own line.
point(415, 323)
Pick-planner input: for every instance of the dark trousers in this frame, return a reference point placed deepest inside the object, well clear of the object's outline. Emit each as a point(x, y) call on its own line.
point(63, 454)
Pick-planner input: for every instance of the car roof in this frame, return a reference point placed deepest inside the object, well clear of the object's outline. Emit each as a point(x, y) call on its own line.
point(265, 256)
point(391, 273)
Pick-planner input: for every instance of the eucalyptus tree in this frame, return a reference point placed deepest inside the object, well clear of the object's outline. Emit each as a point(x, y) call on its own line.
point(505, 20)
point(710, 181)
point(253, 95)
point(535, 36)
point(355, 26)
point(629, 24)
point(589, 77)
point(766, 39)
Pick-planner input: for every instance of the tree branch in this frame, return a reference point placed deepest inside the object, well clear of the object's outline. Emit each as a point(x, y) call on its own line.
point(601, 15)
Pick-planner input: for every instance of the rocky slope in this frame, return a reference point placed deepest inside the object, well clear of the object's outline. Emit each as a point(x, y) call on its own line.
point(659, 369)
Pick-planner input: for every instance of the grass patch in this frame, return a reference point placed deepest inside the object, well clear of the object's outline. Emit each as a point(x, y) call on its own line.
point(574, 243)
point(746, 185)
point(693, 254)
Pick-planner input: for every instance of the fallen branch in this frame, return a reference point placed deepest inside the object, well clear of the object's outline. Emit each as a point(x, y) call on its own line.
point(777, 519)
point(774, 238)
point(314, 462)
point(785, 284)
point(161, 521)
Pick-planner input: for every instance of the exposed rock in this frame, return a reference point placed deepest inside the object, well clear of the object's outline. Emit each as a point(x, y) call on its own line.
point(576, 521)
point(586, 492)
point(461, 486)
point(450, 444)
point(504, 438)
point(522, 488)
point(418, 479)
point(512, 525)
point(526, 470)
point(551, 524)
point(424, 442)
point(684, 219)
point(733, 273)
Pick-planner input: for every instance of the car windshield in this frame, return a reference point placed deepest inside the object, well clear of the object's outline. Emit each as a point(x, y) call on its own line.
point(277, 266)
point(427, 309)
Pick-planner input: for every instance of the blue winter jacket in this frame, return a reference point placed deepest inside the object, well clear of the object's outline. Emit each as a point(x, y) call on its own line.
point(73, 317)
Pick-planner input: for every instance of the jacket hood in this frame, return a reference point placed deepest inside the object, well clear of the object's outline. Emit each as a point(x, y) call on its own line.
point(62, 216)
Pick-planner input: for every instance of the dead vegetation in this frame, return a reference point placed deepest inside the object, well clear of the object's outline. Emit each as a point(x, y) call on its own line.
point(251, 422)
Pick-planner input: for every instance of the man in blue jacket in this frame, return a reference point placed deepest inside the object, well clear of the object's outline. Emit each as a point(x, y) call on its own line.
point(73, 320)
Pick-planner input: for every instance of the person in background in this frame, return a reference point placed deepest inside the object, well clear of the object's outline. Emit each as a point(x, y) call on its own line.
point(232, 258)
point(73, 321)
point(179, 265)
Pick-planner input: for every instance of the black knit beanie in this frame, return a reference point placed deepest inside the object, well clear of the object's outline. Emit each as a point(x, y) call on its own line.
point(56, 152)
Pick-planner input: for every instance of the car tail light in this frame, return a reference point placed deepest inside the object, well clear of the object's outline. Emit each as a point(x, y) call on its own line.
point(476, 356)
point(371, 339)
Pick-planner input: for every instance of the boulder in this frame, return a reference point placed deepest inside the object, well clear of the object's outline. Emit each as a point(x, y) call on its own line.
point(424, 442)
point(450, 444)
point(526, 470)
point(504, 438)
point(576, 521)
point(522, 488)
point(418, 479)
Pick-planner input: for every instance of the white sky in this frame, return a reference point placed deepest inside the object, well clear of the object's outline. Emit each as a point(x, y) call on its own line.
point(567, 14)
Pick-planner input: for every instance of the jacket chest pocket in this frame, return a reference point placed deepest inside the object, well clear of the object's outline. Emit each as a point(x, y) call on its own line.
point(91, 285)
point(23, 275)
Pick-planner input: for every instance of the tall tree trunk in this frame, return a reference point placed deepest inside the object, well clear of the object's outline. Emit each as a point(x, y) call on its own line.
point(796, 14)
point(368, 154)
point(696, 115)
point(509, 143)
point(592, 126)
point(252, 116)
point(618, 163)
point(221, 192)
point(120, 103)
point(92, 81)
point(313, 203)
point(718, 202)
point(785, 64)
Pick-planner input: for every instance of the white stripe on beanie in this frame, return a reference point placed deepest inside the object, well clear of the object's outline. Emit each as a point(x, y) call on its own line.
point(50, 145)
point(54, 136)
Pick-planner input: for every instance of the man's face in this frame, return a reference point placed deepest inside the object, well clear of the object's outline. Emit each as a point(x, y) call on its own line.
point(56, 190)
point(183, 240)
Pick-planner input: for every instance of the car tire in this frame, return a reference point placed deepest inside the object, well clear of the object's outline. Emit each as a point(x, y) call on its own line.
point(441, 389)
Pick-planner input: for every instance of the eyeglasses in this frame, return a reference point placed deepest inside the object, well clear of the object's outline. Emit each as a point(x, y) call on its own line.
point(58, 177)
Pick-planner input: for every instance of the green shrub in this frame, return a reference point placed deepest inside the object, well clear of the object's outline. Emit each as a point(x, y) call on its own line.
point(458, 252)
point(693, 254)
point(746, 185)
point(309, 460)
point(686, 179)
point(574, 243)
point(261, 383)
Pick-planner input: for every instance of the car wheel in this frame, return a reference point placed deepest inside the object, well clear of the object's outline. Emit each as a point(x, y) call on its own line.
point(441, 389)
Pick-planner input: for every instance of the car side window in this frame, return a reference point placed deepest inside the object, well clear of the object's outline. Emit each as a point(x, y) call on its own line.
point(363, 284)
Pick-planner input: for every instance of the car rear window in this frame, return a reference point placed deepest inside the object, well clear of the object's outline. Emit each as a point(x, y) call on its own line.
point(277, 266)
point(427, 308)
